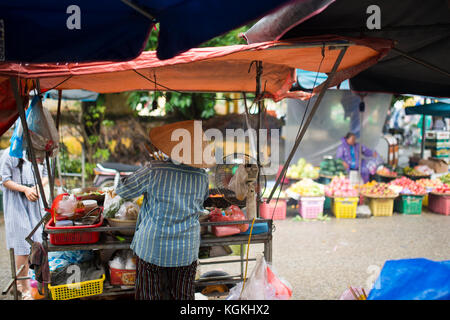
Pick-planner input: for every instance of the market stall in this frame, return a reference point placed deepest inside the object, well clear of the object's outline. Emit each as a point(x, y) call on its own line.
point(273, 74)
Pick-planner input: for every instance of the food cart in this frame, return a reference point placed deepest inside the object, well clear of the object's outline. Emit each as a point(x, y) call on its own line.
point(220, 69)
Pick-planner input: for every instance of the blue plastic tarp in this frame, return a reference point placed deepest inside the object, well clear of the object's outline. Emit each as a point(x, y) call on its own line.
point(413, 279)
point(110, 30)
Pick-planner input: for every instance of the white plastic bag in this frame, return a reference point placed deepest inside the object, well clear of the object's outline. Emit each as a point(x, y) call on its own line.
point(237, 183)
point(128, 211)
point(67, 206)
point(112, 204)
point(263, 284)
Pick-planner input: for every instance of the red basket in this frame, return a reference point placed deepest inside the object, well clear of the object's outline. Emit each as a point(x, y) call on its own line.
point(310, 207)
point(84, 237)
point(439, 204)
point(266, 210)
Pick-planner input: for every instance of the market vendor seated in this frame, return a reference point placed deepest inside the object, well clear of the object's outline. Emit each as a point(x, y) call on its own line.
point(348, 151)
point(167, 236)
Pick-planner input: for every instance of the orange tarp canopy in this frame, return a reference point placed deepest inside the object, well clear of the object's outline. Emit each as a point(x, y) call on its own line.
point(215, 69)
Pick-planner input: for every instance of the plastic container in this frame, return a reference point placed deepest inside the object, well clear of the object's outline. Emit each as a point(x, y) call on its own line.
point(77, 290)
point(258, 228)
point(311, 207)
point(381, 207)
point(408, 204)
point(327, 203)
point(345, 208)
point(122, 277)
point(425, 200)
point(266, 210)
point(223, 231)
point(439, 204)
point(84, 237)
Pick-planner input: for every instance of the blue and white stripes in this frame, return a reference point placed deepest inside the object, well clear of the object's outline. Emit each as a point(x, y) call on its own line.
point(167, 231)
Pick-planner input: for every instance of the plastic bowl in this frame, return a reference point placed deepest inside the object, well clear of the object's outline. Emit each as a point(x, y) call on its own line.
point(123, 223)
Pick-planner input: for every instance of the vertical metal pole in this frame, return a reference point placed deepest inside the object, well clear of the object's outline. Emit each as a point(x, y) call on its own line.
point(259, 71)
point(50, 178)
point(58, 119)
point(422, 146)
point(83, 166)
point(12, 258)
point(242, 261)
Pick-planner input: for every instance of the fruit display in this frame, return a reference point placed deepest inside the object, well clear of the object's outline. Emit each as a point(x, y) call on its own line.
point(407, 186)
point(367, 185)
point(445, 179)
point(380, 190)
point(267, 191)
point(307, 188)
point(301, 170)
point(383, 171)
point(418, 171)
point(443, 189)
point(331, 167)
point(429, 184)
point(341, 187)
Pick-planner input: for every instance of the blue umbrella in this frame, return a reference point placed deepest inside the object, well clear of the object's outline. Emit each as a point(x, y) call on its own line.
point(115, 30)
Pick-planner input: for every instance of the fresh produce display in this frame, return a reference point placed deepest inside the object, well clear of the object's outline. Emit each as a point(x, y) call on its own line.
point(407, 186)
point(379, 190)
point(302, 170)
point(429, 184)
point(307, 188)
point(383, 171)
point(418, 171)
point(331, 167)
point(445, 179)
point(443, 189)
point(341, 187)
point(277, 192)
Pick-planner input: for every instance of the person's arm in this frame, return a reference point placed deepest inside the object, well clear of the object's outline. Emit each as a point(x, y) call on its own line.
point(6, 172)
point(134, 185)
point(340, 155)
point(368, 152)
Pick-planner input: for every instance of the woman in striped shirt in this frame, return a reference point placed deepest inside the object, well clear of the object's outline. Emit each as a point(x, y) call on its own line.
point(167, 235)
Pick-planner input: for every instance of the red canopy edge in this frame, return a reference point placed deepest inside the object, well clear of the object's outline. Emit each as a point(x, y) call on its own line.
point(213, 69)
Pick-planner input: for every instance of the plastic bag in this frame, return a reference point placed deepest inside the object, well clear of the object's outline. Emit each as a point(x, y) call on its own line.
point(263, 284)
point(238, 184)
point(17, 146)
point(232, 213)
point(128, 211)
point(111, 204)
point(66, 207)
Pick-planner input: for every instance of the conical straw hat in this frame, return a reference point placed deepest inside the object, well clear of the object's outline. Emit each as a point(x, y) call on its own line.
point(184, 142)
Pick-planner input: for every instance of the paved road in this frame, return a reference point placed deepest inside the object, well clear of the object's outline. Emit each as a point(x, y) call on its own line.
point(322, 258)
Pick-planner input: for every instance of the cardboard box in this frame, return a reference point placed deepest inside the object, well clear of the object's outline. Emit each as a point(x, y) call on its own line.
point(438, 165)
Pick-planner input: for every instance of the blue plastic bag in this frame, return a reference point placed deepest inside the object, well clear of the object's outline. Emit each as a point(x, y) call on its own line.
point(413, 279)
point(17, 148)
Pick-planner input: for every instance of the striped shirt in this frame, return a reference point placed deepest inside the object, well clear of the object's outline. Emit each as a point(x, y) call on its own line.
point(167, 230)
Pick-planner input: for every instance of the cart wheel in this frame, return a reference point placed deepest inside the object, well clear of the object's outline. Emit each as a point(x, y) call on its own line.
point(220, 288)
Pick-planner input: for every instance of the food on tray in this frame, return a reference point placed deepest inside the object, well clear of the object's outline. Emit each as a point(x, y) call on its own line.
point(429, 184)
point(331, 167)
point(408, 186)
point(418, 171)
point(383, 171)
point(302, 169)
point(379, 190)
point(307, 188)
point(443, 189)
point(341, 187)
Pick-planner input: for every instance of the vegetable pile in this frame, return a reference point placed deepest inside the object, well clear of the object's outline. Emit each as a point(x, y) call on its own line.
point(302, 170)
point(331, 167)
point(445, 179)
point(307, 188)
point(418, 171)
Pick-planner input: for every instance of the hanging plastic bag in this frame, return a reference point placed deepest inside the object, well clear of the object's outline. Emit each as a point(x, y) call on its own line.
point(233, 213)
point(263, 284)
point(66, 208)
point(43, 133)
point(237, 183)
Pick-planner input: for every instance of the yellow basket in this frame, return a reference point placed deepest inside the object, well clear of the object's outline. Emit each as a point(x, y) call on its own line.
point(345, 208)
point(425, 201)
point(382, 207)
point(77, 290)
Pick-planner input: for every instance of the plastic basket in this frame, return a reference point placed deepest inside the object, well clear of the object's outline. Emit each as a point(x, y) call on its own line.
point(84, 237)
point(266, 210)
point(381, 207)
point(77, 290)
point(122, 277)
point(327, 203)
point(439, 204)
point(345, 208)
point(408, 204)
point(425, 200)
point(311, 207)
